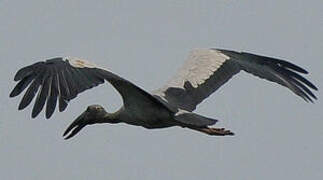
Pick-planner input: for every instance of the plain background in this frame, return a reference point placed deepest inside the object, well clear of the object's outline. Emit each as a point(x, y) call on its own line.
point(278, 135)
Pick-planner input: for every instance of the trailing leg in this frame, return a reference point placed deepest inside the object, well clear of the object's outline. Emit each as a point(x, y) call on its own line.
point(213, 131)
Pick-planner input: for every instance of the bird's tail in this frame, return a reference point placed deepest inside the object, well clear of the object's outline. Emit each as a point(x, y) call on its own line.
point(193, 119)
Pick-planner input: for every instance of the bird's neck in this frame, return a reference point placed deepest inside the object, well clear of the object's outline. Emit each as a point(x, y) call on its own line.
point(110, 118)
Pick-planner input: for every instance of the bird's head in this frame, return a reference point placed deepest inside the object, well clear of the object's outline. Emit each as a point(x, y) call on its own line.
point(92, 115)
point(95, 111)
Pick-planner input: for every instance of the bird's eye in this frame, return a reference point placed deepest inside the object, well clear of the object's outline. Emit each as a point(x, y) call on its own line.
point(98, 108)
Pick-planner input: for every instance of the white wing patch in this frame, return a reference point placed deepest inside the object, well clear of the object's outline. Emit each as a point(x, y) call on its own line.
point(201, 64)
point(79, 63)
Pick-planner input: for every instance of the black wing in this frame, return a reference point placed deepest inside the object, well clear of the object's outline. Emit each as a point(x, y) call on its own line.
point(57, 79)
point(206, 70)
point(62, 79)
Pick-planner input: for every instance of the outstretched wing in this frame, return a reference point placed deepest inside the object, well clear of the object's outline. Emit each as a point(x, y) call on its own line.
point(206, 70)
point(62, 79)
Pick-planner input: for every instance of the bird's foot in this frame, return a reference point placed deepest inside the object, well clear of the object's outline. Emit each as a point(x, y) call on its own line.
point(217, 131)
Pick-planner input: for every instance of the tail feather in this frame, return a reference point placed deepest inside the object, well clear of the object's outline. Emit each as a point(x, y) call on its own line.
point(193, 119)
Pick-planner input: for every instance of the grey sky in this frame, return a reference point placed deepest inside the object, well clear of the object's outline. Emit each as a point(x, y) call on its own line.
point(278, 136)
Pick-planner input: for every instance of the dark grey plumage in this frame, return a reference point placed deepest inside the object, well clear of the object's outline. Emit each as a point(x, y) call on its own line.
point(62, 79)
point(58, 79)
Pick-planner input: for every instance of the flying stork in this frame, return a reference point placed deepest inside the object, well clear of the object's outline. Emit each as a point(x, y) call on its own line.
point(206, 70)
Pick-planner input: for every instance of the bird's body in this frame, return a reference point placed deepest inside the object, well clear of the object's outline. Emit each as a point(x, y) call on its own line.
point(206, 70)
point(148, 117)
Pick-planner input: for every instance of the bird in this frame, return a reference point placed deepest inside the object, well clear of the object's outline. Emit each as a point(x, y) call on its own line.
point(58, 80)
